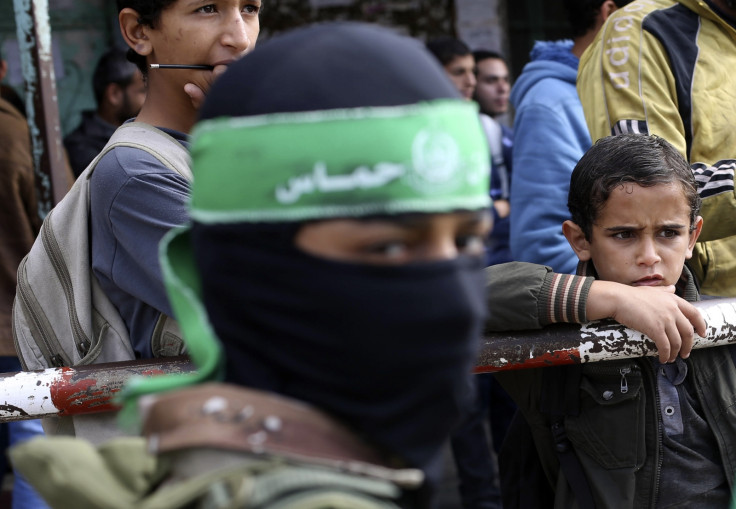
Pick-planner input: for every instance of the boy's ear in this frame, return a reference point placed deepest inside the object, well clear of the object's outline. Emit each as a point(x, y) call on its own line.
point(133, 32)
point(694, 234)
point(607, 8)
point(575, 236)
point(114, 94)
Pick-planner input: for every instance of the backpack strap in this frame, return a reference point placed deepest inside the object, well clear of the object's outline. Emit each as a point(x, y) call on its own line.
point(560, 397)
point(150, 139)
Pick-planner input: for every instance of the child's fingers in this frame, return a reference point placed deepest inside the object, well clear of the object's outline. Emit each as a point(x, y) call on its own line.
point(681, 323)
point(195, 93)
point(198, 91)
point(694, 316)
point(687, 336)
point(671, 346)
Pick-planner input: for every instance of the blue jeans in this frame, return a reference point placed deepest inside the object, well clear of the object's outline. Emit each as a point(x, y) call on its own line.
point(12, 433)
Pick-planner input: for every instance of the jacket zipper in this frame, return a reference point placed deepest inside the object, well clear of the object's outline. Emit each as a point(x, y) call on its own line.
point(624, 384)
point(658, 445)
point(52, 247)
point(48, 339)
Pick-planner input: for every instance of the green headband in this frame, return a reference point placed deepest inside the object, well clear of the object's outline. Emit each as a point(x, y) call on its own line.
point(430, 157)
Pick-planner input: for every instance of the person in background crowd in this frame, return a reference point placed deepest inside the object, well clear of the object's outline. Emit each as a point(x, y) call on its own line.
point(653, 69)
point(459, 64)
point(493, 83)
point(7, 92)
point(137, 196)
point(119, 92)
point(457, 60)
point(550, 136)
point(492, 95)
point(19, 224)
point(476, 469)
point(134, 198)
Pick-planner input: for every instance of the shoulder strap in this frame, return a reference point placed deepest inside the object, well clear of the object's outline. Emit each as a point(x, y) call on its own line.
point(560, 397)
point(150, 139)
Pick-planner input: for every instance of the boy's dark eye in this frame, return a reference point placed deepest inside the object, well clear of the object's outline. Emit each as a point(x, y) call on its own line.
point(622, 235)
point(251, 9)
point(208, 9)
point(670, 233)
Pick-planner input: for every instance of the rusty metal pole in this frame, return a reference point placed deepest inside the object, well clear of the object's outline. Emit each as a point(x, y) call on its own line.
point(595, 341)
point(34, 40)
point(89, 389)
point(75, 391)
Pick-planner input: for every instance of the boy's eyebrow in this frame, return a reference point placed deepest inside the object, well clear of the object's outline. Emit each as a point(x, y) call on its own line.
point(669, 226)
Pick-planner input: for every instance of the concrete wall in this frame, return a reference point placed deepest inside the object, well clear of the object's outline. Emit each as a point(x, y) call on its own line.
point(81, 31)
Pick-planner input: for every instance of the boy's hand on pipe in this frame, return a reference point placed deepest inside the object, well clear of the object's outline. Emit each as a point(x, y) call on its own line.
point(667, 319)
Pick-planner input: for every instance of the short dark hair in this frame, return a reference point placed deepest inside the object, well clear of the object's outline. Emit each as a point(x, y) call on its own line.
point(149, 13)
point(485, 54)
point(446, 49)
point(627, 158)
point(581, 14)
point(112, 67)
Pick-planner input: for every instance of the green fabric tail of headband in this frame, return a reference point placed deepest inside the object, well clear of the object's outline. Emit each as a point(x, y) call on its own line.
point(183, 287)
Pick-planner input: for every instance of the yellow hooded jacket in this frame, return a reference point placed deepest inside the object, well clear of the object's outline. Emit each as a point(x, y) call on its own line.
point(665, 67)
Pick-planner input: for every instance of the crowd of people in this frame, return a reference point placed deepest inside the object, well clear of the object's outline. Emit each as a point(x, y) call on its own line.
point(341, 236)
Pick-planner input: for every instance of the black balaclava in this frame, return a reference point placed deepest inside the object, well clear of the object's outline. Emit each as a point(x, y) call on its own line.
point(386, 349)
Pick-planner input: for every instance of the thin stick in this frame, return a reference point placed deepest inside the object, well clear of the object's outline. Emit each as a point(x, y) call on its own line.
point(182, 66)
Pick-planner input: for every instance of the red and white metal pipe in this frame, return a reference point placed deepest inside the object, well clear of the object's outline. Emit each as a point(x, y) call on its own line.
point(595, 341)
point(75, 391)
point(89, 389)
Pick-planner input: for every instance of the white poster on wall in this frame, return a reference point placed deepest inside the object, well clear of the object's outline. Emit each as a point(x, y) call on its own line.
point(478, 23)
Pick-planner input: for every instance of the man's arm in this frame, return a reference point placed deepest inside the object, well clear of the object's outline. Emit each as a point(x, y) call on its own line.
point(548, 143)
point(625, 83)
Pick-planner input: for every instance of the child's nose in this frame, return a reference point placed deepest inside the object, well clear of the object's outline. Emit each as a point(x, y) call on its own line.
point(648, 254)
point(235, 33)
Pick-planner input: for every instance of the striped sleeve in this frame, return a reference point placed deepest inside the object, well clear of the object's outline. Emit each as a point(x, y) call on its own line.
point(716, 179)
point(629, 127)
point(563, 298)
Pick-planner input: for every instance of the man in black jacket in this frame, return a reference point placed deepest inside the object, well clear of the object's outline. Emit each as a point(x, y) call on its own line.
point(119, 91)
